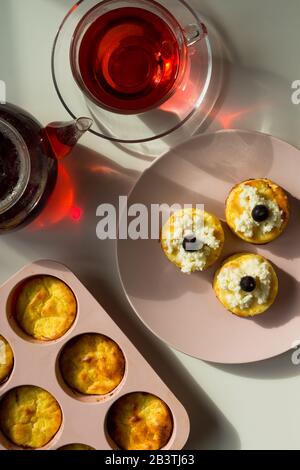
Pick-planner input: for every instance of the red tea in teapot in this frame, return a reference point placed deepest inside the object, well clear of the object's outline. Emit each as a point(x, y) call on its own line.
point(28, 168)
point(10, 169)
point(128, 59)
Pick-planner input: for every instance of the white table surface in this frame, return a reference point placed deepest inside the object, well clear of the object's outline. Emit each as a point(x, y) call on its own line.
point(232, 407)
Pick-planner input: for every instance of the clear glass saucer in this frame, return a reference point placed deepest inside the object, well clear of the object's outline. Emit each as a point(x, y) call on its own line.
point(156, 123)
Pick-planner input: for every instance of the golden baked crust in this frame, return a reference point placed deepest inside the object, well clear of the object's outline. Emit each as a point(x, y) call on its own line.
point(140, 421)
point(256, 309)
point(76, 447)
point(92, 364)
point(209, 220)
point(270, 191)
point(45, 308)
point(29, 416)
point(6, 360)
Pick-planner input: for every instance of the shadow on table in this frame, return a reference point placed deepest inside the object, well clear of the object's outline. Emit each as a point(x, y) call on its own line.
point(279, 367)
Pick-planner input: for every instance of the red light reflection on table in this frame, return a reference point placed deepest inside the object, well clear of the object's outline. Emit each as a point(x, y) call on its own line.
point(76, 213)
point(103, 169)
point(227, 119)
point(61, 204)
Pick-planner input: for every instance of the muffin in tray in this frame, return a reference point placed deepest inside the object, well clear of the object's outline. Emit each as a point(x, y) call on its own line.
point(29, 416)
point(257, 211)
point(6, 360)
point(45, 308)
point(192, 239)
point(76, 447)
point(140, 421)
point(92, 364)
point(246, 284)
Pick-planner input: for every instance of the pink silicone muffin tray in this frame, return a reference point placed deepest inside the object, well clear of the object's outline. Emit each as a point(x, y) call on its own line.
point(36, 363)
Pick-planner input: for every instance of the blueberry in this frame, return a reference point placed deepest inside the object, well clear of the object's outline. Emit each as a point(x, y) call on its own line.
point(190, 243)
point(260, 213)
point(248, 284)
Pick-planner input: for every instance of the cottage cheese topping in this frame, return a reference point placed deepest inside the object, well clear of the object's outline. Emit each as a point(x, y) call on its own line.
point(184, 224)
point(229, 281)
point(249, 198)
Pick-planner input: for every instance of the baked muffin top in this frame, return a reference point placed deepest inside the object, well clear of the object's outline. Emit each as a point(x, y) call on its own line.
point(6, 360)
point(45, 308)
point(246, 284)
point(92, 364)
point(257, 210)
point(140, 421)
point(29, 416)
point(192, 239)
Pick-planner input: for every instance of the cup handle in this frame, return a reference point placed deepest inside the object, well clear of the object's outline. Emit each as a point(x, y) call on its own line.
point(194, 33)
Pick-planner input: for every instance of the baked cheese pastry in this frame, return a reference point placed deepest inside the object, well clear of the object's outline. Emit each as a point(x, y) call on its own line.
point(92, 364)
point(257, 211)
point(76, 447)
point(140, 421)
point(246, 284)
point(45, 308)
point(29, 416)
point(192, 239)
point(6, 360)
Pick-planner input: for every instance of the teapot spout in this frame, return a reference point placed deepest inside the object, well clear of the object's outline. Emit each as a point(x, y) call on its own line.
point(63, 136)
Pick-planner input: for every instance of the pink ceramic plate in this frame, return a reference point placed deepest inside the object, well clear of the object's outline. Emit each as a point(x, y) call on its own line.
point(183, 310)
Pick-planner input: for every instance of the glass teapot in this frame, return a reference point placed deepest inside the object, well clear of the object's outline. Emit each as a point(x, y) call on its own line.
point(29, 157)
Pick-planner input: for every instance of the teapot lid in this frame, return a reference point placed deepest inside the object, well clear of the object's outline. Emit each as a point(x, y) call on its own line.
point(14, 166)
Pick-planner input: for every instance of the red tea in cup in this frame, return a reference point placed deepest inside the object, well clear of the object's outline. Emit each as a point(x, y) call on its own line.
point(128, 59)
